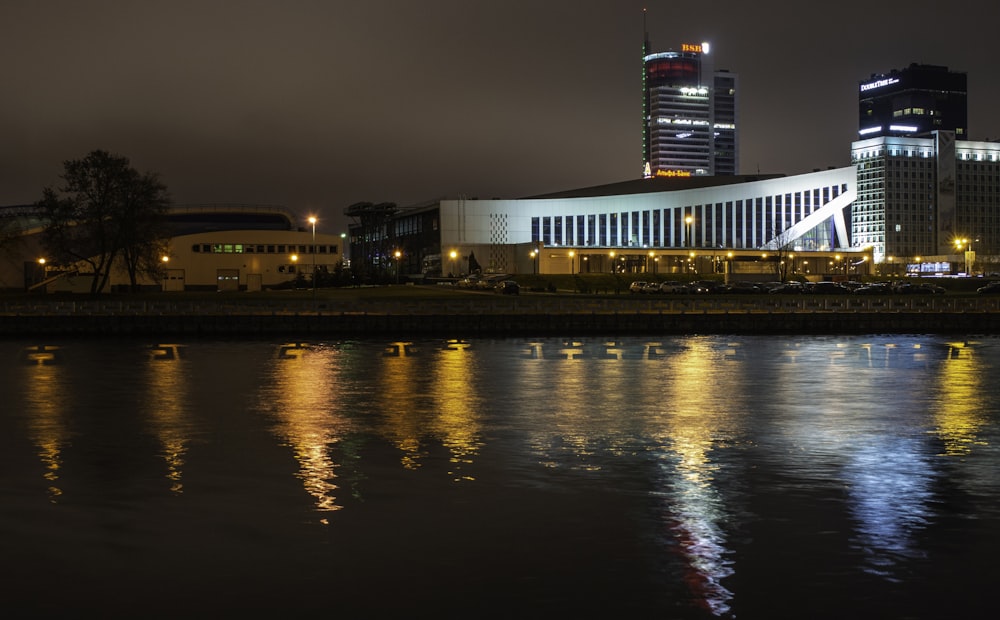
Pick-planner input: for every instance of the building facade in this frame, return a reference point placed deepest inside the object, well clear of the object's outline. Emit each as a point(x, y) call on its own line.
point(689, 115)
point(211, 247)
point(920, 198)
point(634, 226)
point(913, 102)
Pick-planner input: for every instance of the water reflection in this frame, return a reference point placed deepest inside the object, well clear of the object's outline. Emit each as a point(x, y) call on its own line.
point(697, 419)
point(45, 410)
point(693, 476)
point(166, 390)
point(958, 408)
point(401, 400)
point(596, 405)
point(302, 393)
point(457, 420)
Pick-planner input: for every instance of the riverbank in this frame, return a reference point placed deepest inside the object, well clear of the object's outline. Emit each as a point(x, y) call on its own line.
point(352, 325)
point(408, 311)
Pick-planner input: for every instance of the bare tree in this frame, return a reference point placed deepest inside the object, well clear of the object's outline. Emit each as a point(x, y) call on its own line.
point(105, 213)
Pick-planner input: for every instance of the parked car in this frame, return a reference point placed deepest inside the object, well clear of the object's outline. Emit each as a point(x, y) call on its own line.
point(672, 286)
point(741, 288)
point(637, 286)
point(828, 288)
point(876, 288)
point(488, 282)
point(918, 289)
point(508, 287)
point(794, 288)
point(992, 288)
point(704, 286)
point(651, 287)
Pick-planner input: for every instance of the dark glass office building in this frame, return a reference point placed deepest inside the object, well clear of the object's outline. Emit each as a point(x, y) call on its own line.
point(689, 115)
point(913, 102)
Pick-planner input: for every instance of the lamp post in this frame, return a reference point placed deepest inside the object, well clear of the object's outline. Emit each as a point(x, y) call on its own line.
point(613, 267)
point(687, 227)
point(452, 255)
point(312, 220)
point(398, 254)
point(572, 262)
point(965, 244)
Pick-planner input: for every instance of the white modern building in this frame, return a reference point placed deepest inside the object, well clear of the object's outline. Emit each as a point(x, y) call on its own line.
point(928, 201)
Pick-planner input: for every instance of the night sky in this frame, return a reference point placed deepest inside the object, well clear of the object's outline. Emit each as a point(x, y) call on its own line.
point(316, 104)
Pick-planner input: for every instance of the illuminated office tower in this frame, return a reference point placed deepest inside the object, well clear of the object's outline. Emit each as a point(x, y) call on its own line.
point(689, 114)
point(913, 102)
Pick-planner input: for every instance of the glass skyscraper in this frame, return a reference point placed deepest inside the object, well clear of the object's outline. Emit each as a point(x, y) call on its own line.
point(689, 114)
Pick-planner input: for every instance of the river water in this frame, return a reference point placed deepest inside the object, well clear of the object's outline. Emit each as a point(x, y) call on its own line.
point(682, 477)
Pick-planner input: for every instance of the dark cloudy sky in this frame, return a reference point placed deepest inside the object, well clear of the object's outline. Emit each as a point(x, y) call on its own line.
point(316, 104)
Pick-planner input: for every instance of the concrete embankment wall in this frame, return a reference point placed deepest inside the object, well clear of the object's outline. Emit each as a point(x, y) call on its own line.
point(349, 325)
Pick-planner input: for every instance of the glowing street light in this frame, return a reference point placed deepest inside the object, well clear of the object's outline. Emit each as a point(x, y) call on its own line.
point(312, 220)
point(687, 221)
point(967, 245)
point(398, 254)
point(572, 262)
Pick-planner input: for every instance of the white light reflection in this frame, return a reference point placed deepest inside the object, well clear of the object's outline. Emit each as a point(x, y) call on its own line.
point(45, 411)
point(889, 483)
point(692, 387)
point(166, 387)
point(688, 431)
point(304, 399)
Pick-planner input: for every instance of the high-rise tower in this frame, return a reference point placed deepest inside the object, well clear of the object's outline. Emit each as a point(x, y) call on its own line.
point(913, 102)
point(689, 114)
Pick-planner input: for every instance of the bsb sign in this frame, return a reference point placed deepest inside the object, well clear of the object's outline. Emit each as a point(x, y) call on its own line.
point(700, 48)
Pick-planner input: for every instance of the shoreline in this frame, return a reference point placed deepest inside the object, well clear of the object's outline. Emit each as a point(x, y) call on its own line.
point(414, 311)
point(365, 324)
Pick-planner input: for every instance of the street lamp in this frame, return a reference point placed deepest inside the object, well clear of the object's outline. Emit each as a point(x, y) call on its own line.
point(312, 220)
point(687, 221)
point(613, 267)
point(652, 260)
point(453, 255)
point(398, 254)
point(967, 244)
point(572, 262)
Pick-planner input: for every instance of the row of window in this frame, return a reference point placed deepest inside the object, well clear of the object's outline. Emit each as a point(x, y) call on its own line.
point(246, 248)
point(753, 221)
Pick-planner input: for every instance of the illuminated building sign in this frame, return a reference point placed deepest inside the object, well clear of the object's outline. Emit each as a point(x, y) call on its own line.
point(879, 84)
point(903, 128)
point(673, 173)
point(698, 48)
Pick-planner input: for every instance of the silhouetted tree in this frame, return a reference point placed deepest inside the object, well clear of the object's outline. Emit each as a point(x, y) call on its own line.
point(106, 214)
